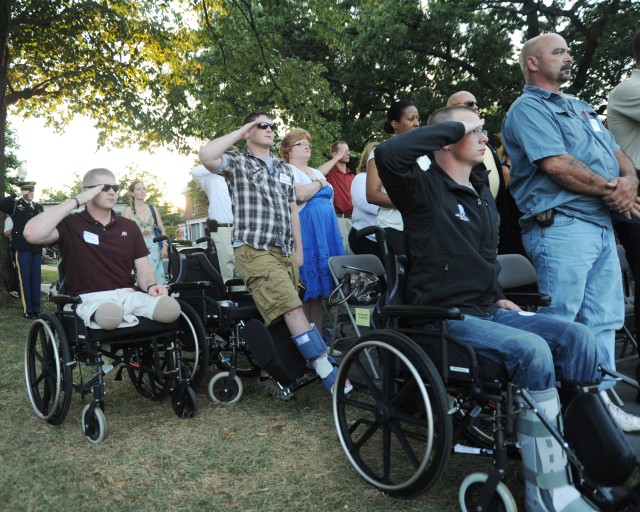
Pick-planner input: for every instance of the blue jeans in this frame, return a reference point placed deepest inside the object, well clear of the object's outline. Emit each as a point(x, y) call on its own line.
point(577, 265)
point(534, 349)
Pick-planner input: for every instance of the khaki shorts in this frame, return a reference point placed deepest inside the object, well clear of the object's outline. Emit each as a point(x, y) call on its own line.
point(271, 278)
point(133, 303)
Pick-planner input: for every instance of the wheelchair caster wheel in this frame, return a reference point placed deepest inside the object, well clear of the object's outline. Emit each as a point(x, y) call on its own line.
point(94, 425)
point(224, 392)
point(501, 501)
point(184, 401)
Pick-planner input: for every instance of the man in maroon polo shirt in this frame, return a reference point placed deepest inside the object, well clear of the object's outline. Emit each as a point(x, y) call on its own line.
point(99, 251)
point(340, 178)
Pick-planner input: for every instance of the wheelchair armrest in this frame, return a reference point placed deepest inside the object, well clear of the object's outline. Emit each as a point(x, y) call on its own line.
point(428, 313)
point(529, 299)
point(236, 281)
point(65, 299)
point(190, 285)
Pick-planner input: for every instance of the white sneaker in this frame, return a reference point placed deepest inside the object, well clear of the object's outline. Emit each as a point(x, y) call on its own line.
point(627, 422)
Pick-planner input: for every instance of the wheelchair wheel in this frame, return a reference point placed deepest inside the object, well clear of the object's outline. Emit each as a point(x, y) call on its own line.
point(94, 425)
point(394, 426)
point(501, 501)
point(194, 343)
point(224, 392)
point(48, 369)
point(184, 401)
point(144, 375)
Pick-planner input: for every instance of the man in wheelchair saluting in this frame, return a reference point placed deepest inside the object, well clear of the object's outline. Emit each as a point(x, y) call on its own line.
point(451, 230)
point(99, 250)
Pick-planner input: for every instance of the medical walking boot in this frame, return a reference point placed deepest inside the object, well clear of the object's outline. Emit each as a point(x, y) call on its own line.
point(548, 486)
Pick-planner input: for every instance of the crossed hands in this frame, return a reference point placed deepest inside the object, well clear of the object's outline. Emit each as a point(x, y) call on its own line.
point(623, 196)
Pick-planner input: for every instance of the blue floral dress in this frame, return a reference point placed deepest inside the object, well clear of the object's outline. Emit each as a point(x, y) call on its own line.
point(320, 240)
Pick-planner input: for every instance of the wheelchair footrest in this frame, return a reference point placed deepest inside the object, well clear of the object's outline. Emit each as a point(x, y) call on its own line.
point(274, 351)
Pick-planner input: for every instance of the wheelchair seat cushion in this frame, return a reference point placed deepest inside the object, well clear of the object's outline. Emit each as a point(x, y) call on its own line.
point(145, 327)
point(242, 313)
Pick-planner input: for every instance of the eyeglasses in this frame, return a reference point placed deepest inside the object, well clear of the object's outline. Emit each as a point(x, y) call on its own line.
point(303, 144)
point(480, 131)
point(469, 103)
point(105, 188)
point(265, 125)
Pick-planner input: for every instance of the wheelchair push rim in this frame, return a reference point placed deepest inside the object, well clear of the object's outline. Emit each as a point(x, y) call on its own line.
point(394, 426)
point(48, 369)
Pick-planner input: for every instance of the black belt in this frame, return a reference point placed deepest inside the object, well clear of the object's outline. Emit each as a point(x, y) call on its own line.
point(344, 215)
point(220, 225)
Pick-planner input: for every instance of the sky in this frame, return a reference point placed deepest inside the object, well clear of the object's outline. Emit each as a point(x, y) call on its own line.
point(51, 159)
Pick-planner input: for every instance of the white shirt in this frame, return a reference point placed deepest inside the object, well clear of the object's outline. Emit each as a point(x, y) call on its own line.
point(364, 213)
point(218, 193)
point(302, 178)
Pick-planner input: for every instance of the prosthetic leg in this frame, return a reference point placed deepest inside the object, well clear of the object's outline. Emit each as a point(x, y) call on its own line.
point(546, 470)
point(314, 349)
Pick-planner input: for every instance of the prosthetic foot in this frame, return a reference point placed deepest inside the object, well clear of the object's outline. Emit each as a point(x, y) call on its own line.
point(108, 316)
point(546, 472)
point(314, 349)
point(167, 310)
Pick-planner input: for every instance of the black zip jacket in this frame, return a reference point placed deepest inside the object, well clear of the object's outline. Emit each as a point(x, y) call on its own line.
point(451, 231)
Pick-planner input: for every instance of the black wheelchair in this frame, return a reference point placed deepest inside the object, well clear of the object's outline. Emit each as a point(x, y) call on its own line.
point(60, 348)
point(237, 341)
point(418, 397)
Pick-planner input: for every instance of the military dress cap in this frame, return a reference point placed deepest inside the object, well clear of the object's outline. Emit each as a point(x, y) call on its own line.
point(27, 184)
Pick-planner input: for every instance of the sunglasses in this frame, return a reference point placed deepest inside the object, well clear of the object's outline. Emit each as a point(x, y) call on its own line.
point(105, 188)
point(470, 103)
point(264, 126)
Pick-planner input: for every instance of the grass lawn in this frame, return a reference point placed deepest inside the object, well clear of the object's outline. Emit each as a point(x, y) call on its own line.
point(257, 455)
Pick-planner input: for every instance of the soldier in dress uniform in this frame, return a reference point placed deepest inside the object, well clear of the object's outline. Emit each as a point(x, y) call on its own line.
point(27, 257)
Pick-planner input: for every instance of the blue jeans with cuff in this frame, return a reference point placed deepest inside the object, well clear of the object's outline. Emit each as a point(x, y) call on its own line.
point(534, 349)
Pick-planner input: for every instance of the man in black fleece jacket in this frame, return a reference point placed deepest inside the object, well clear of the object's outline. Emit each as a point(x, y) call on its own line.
point(451, 234)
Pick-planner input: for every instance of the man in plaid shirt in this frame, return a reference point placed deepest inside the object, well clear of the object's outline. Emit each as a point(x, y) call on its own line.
point(266, 237)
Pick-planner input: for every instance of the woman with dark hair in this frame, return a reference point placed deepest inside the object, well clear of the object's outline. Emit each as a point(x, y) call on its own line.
point(402, 117)
point(147, 218)
point(321, 237)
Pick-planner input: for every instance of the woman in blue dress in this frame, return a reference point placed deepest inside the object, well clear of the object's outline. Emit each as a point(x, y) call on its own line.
point(318, 224)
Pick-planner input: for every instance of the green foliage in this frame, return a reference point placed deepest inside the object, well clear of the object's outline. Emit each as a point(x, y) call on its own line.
point(113, 61)
point(11, 162)
point(335, 68)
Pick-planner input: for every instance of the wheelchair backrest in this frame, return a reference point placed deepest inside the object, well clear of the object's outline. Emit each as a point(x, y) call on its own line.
point(197, 265)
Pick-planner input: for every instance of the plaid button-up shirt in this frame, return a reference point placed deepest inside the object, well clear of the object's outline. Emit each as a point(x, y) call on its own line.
point(261, 200)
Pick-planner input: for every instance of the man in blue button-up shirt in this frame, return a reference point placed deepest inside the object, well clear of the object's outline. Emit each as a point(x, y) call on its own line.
point(567, 176)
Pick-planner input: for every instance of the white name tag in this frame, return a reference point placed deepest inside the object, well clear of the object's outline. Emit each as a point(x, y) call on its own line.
point(285, 179)
point(595, 126)
point(91, 238)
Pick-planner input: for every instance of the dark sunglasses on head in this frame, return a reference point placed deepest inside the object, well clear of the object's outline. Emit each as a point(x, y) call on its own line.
point(105, 188)
point(264, 126)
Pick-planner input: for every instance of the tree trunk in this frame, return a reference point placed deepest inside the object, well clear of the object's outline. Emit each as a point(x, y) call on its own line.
point(6, 268)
